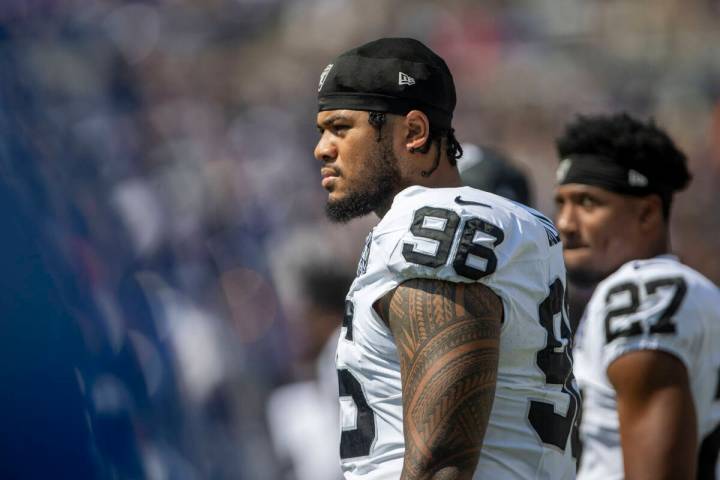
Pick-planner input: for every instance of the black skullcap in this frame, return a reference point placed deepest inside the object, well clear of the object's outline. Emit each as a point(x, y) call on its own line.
point(393, 75)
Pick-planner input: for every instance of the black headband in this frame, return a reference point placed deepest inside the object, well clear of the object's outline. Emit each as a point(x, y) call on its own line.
point(605, 173)
point(383, 103)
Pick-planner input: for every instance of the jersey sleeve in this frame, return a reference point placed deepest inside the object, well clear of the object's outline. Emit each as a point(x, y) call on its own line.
point(440, 243)
point(449, 243)
point(649, 310)
point(428, 234)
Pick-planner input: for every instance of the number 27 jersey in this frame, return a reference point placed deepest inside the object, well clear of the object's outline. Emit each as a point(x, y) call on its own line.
point(653, 304)
point(464, 235)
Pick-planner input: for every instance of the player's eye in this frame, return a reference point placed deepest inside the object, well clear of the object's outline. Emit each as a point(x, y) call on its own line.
point(586, 201)
point(339, 128)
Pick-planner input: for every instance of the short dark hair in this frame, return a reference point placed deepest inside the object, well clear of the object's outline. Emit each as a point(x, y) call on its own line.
point(453, 149)
point(630, 142)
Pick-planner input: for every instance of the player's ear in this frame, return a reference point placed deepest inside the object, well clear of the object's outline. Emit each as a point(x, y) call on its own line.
point(650, 212)
point(418, 130)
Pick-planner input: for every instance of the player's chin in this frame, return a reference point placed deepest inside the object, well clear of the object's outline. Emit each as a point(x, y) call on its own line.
point(338, 211)
point(577, 258)
point(580, 267)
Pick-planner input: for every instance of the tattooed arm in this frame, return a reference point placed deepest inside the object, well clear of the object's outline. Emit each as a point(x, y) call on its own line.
point(447, 337)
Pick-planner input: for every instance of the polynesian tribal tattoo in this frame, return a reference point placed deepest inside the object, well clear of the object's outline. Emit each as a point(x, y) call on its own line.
point(447, 337)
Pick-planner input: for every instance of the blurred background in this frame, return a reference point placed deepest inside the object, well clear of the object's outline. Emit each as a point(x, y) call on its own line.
point(169, 288)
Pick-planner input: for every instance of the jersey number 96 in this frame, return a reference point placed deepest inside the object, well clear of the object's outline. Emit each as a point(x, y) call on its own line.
point(472, 260)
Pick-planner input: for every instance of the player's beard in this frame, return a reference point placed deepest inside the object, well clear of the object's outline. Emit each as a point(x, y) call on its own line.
point(373, 190)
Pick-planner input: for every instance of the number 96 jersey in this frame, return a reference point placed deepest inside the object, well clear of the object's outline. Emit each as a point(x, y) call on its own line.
point(464, 235)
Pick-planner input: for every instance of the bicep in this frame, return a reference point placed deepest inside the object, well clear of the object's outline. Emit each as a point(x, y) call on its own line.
point(658, 426)
point(447, 337)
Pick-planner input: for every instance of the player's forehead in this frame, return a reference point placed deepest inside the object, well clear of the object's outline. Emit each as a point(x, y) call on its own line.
point(573, 191)
point(328, 117)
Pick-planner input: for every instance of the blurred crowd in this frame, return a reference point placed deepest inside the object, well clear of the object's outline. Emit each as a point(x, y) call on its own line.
point(162, 152)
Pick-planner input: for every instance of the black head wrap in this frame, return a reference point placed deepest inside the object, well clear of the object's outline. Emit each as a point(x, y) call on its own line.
point(604, 172)
point(393, 75)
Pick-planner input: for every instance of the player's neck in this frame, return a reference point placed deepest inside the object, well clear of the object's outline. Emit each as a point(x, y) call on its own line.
point(649, 247)
point(447, 177)
point(383, 208)
point(657, 245)
point(444, 176)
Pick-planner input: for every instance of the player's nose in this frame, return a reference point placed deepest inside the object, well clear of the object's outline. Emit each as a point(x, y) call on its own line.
point(566, 220)
point(325, 150)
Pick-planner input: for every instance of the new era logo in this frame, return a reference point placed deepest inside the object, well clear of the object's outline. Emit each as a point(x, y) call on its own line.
point(323, 76)
point(405, 79)
point(562, 170)
point(637, 179)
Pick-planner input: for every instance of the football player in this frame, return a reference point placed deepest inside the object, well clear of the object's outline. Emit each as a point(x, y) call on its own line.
point(454, 356)
point(648, 353)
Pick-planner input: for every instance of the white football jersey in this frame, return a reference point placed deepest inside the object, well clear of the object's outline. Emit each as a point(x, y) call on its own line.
point(464, 235)
point(654, 304)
